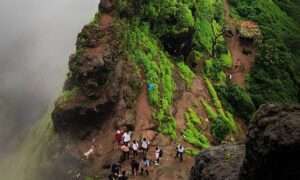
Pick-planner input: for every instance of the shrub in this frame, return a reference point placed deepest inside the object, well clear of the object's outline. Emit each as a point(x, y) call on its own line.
point(274, 77)
point(219, 129)
point(186, 73)
point(192, 133)
point(143, 48)
point(238, 99)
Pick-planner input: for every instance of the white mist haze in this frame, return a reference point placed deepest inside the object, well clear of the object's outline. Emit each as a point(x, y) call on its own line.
point(36, 39)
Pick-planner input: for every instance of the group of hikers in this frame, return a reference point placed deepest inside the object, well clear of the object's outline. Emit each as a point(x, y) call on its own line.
point(136, 152)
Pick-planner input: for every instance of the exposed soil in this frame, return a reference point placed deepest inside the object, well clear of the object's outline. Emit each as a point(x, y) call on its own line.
point(192, 99)
point(242, 63)
point(144, 122)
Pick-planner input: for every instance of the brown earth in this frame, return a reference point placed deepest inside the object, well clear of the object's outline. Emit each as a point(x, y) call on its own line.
point(242, 63)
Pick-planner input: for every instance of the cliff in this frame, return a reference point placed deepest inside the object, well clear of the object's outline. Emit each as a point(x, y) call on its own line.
point(171, 71)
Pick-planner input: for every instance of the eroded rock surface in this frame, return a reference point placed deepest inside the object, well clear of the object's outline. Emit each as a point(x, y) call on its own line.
point(218, 163)
point(271, 151)
point(273, 144)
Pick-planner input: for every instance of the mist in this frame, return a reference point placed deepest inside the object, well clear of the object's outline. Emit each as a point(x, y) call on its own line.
point(36, 39)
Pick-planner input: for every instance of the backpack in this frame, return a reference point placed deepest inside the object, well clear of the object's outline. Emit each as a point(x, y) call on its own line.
point(161, 153)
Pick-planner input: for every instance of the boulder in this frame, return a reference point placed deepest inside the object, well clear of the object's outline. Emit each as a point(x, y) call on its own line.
point(271, 151)
point(218, 163)
point(106, 5)
point(273, 144)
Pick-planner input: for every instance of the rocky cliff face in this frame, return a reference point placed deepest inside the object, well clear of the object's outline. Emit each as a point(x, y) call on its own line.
point(271, 151)
point(169, 71)
point(102, 84)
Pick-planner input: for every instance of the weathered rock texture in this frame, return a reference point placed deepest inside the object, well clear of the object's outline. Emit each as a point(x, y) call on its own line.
point(271, 151)
point(218, 163)
point(102, 85)
point(273, 144)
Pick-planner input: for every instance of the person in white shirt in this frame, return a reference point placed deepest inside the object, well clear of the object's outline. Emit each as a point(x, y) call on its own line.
point(158, 155)
point(179, 152)
point(145, 146)
point(135, 148)
point(126, 137)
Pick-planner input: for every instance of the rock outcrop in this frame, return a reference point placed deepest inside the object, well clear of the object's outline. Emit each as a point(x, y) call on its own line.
point(218, 163)
point(273, 144)
point(101, 86)
point(271, 151)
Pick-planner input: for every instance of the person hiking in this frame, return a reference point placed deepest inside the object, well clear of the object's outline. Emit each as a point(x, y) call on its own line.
point(145, 146)
point(135, 165)
point(118, 136)
point(125, 152)
point(179, 152)
point(116, 168)
point(135, 148)
point(126, 137)
point(123, 176)
point(158, 155)
point(145, 166)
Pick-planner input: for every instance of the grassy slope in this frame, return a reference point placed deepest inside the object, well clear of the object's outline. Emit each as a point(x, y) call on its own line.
point(144, 24)
point(275, 76)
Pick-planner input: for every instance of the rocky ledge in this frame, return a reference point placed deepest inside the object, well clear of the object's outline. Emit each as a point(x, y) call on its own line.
point(271, 150)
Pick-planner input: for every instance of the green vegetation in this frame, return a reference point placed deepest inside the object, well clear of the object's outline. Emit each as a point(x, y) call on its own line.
point(225, 117)
point(144, 49)
point(237, 100)
point(219, 129)
point(192, 133)
point(191, 152)
point(186, 73)
point(67, 96)
point(223, 122)
point(149, 29)
point(276, 73)
point(226, 60)
point(215, 71)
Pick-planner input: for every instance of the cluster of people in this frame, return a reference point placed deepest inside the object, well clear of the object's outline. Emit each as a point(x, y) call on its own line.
point(136, 151)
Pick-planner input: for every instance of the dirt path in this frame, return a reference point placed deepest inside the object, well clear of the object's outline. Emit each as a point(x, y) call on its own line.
point(190, 99)
point(242, 63)
point(144, 122)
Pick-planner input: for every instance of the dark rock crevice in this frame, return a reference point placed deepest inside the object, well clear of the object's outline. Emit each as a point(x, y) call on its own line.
point(178, 45)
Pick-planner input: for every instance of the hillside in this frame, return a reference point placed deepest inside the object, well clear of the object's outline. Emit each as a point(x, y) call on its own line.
point(174, 71)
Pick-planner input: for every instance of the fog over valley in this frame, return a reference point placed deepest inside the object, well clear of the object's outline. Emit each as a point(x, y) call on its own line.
point(36, 39)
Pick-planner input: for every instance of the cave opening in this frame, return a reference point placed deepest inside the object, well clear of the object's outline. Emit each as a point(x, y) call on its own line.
point(178, 45)
point(81, 121)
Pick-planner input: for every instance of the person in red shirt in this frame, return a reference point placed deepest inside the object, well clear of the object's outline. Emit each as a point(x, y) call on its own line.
point(118, 137)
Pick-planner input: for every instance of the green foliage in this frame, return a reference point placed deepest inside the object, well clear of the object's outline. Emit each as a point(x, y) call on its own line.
point(214, 70)
point(186, 73)
point(143, 48)
point(238, 99)
point(228, 120)
point(291, 7)
point(67, 96)
point(192, 133)
point(220, 129)
point(192, 152)
point(226, 60)
point(145, 26)
point(209, 110)
point(89, 34)
point(275, 75)
point(88, 178)
point(208, 24)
